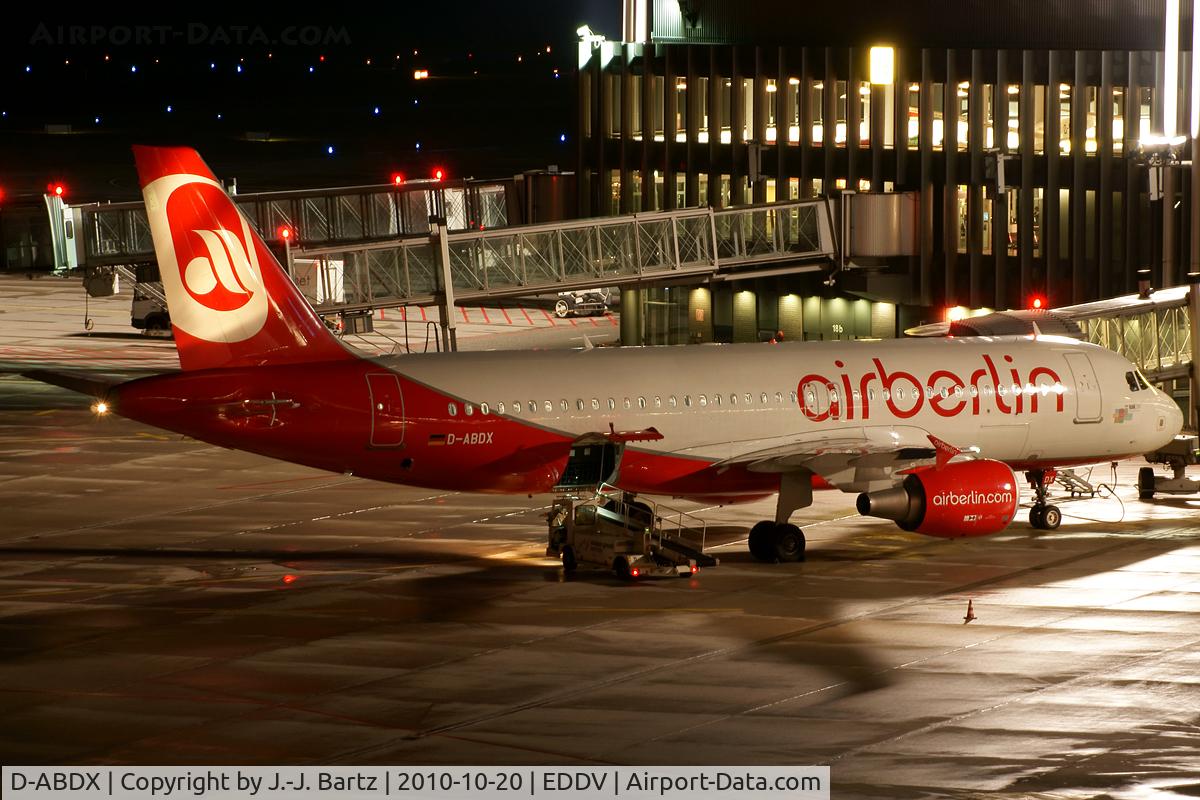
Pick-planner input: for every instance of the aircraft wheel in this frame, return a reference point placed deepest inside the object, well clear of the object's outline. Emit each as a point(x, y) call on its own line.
point(1051, 518)
point(1146, 483)
point(762, 544)
point(569, 562)
point(562, 308)
point(1037, 516)
point(789, 543)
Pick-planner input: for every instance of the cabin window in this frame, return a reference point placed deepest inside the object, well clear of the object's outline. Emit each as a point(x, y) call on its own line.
point(833, 395)
point(564, 405)
point(899, 392)
point(779, 398)
point(702, 400)
point(764, 398)
point(716, 399)
point(672, 402)
point(958, 391)
point(792, 396)
point(500, 407)
point(974, 391)
point(687, 401)
point(733, 399)
point(533, 406)
point(612, 404)
point(579, 404)
point(469, 409)
point(483, 408)
point(627, 403)
point(641, 402)
point(1003, 390)
point(749, 399)
point(810, 399)
point(453, 409)
point(595, 404)
point(657, 401)
point(549, 406)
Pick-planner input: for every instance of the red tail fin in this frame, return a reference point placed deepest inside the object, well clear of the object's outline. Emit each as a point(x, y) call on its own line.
point(231, 302)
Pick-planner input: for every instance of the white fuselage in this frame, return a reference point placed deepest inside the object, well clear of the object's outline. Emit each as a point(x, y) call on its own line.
point(1051, 401)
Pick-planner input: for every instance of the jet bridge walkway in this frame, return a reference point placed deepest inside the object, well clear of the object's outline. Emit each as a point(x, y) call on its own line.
point(577, 254)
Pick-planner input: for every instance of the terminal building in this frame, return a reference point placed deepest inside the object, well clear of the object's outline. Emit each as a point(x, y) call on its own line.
point(1021, 132)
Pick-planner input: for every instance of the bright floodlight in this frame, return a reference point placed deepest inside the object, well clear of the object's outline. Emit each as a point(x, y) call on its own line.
point(584, 31)
point(883, 64)
point(1158, 140)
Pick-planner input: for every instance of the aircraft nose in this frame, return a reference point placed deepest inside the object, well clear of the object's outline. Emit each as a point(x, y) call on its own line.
point(1170, 418)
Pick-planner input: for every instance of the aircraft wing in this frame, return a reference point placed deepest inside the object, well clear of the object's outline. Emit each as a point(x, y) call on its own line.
point(859, 459)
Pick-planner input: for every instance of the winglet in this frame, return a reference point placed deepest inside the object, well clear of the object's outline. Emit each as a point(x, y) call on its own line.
point(945, 450)
point(1037, 332)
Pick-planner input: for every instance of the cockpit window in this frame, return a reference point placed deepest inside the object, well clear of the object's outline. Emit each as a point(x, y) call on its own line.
point(1132, 380)
point(1142, 379)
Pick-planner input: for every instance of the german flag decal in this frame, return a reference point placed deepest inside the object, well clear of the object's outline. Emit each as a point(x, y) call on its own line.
point(437, 439)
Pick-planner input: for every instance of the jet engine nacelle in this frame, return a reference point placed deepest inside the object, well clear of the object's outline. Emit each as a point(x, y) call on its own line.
point(964, 498)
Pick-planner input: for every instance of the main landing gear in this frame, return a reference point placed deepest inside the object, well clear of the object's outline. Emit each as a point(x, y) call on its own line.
point(770, 541)
point(1042, 516)
point(778, 539)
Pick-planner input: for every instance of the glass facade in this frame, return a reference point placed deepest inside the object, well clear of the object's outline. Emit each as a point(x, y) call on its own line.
point(1073, 205)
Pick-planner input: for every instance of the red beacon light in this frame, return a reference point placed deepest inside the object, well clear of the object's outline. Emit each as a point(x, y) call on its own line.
point(57, 189)
point(397, 178)
point(438, 174)
point(1037, 302)
point(285, 233)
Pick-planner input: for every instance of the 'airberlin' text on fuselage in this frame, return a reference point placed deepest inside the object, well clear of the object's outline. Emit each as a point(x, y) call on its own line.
point(946, 393)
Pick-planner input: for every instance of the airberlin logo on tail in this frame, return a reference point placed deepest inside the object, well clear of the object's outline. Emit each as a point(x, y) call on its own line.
point(207, 259)
point(221, 279)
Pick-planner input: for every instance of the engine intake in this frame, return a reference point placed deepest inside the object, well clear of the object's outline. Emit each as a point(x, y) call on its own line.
point(965, 498)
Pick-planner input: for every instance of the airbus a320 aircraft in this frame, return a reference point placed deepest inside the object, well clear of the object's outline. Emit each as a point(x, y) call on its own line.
point(927, 431)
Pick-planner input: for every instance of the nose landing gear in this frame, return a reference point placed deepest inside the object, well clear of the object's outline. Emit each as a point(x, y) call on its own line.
point(1042, 516)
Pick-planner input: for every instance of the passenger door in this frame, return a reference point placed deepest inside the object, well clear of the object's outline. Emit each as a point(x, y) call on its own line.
point(387, 410)
point(1087, 388)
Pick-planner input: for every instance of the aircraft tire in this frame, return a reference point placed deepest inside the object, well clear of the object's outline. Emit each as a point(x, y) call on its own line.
point(789, 543)
point(1145, 482)
point(569, 562)
point(1051, 518)
point(762, 541)
point(1037, 517)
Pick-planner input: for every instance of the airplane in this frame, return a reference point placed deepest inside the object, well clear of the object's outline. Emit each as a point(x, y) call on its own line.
point(928, 432)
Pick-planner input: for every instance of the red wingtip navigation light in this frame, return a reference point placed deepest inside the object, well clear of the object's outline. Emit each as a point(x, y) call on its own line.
point(438, 174)
point(1037, 302)
point(285, 233)
point(397, 178)
point(57, 189)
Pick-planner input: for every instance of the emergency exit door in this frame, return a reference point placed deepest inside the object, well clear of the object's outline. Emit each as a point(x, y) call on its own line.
point(387, 410)
point(1087, 389)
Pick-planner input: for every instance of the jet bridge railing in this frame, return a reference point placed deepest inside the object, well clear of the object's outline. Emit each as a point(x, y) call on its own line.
point(1154, 334)
point(119, 233)
point(580, 253)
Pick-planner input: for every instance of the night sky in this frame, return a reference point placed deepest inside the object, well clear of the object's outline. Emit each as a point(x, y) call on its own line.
point(491, 107)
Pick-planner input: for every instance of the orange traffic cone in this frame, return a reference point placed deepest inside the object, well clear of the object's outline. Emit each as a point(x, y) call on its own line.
point(970, 612)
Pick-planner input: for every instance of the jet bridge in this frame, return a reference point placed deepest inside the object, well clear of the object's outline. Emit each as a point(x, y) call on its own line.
point(578, 254)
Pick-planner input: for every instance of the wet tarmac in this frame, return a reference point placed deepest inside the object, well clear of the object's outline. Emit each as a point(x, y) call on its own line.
point(163, 601)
